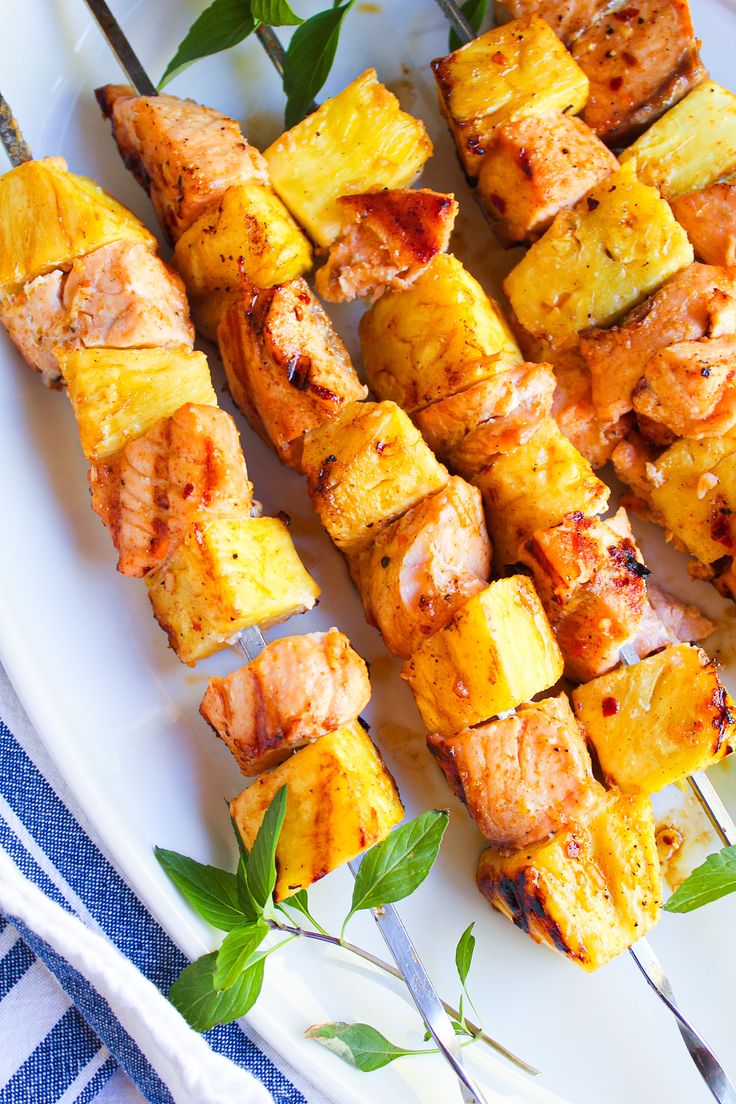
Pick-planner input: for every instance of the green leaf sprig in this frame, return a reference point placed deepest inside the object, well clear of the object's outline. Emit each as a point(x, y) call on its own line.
point(309, 56)
point(714, 878)
point(475, 12)
point(224, 985)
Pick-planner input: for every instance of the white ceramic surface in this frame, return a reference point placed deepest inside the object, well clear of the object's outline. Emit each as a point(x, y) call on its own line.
point(120, 715)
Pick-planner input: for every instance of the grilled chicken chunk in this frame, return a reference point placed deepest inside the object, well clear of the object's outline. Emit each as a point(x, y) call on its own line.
point(697, 303)
point(186, 468)
point(121, 296)
point(386, 239)
point(566, 17)
point(287, 369)
point(689, 388)
point(591, 579)
point(423, 567)
point(297, 689)
point(575, 414)
point(640, 59)
point(669, 621)
point(521, 777)
point(496, 415)
point(709, 219)
point(185, 155)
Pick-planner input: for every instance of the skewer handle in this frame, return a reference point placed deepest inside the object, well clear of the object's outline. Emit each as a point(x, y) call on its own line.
point(122, 49)
point(11, 136)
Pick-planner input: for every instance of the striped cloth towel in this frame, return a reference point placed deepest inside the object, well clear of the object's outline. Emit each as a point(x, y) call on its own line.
point(60, 1040)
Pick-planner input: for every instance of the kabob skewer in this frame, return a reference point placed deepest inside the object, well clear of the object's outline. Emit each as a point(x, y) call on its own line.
point(410, 967)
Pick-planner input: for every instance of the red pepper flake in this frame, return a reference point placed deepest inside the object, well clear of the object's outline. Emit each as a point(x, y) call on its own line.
point(187, 490)
point(629, 59)
point(525, 162)
point(609, 707)
point(499, 58)
point(498, 202)
point(615, 83)
point(593, 203)
point(626, 15)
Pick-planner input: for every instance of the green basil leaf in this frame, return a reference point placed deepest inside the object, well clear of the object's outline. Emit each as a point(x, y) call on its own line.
point(475, 12)
point(715, 878)
point(309, 59)
point(223, 24)
point(235, 952)
point(244, 897)
point(260, 870)
point(212, 892)
point(464, 953)
point(358, 1044)
point(274, 13)
point(394, 868)
point(298, 902)
point(202, 1005)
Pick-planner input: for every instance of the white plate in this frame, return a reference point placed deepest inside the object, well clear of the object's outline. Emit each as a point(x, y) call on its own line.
point(120, 714)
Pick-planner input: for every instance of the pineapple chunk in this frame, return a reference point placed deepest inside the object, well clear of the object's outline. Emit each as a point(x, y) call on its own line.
point(589, 892)
point(693, 494)
point(286, 368)
point(537, 166)
point(598, 260)
point(435, 338)
point(250, 232)
point(340, 800)
point(228, 575)
point(498, 651)
point(659, 721)
point(690, 147)
point(534, 487)
point(518, 69)
point(358, 141)
point(49, 216)
point(119, 394)
point(365, 468)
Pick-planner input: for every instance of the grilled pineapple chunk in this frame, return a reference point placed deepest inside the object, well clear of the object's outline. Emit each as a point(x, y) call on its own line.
point(227, 575)
point(340, 800)
point(366, 467)
point(598, 260)
point(658, 721)
point(693, 494)
point(249, 231)
point(589, 892)
point(534, 486)
point(435, 338)
point(358, 141)
point(690, 147)
point(49, 216)
point(118, 394)
point(496, 652)
point(518, 69)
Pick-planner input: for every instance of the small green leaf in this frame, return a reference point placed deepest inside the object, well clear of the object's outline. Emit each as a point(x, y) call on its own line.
point(475, 12)
point(244, 897)
point(209, 890)
point(715, 878)
point(260, 869)
point(223, 24)
point(298, 902)
point(202, 1005)
point(274, 13)
point(236, 950)
point(394, 868)
point(464, 953)
point(309, 59)
point(457, 1027)
point(358, 1044)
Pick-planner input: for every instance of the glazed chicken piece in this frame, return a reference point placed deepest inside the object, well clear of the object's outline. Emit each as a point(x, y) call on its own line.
point(669, 621)
point(386, 239)
point(566, 17)
point(632, 461)
point(423, 567)
point(298, 689)
point(287, 369)
point(640, 60)
point(185, 155)
point(521, 777)
point(697, 303)
point(496, 415)
point(187, 468)
point(709, 219)
point(689, 388)
point(591, 579)
point(575, 414)
point(121, 296)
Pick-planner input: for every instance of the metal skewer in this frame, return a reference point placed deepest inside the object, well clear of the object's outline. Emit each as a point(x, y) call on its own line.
point(251, 642)
point(707, 1064)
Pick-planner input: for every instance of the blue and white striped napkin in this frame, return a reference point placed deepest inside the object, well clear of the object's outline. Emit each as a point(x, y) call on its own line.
point(112, 1040)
